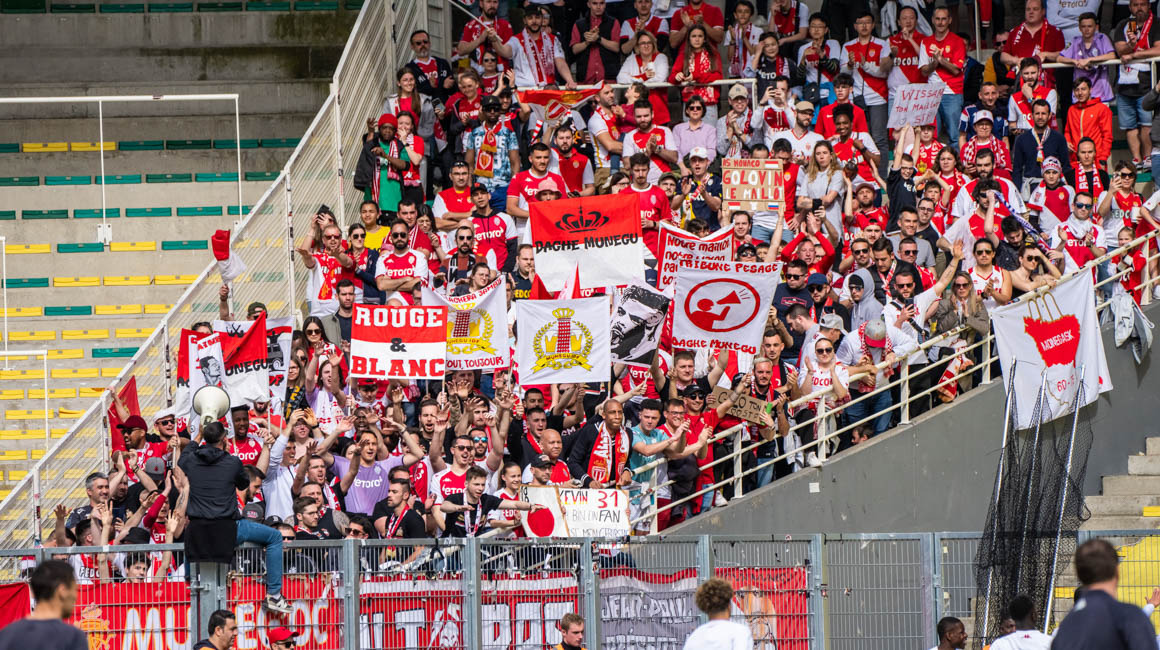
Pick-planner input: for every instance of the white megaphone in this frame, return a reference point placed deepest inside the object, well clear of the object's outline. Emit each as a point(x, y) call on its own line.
point(211, 403)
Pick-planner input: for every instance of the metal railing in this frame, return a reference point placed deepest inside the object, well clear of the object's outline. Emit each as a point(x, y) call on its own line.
point(812, 592)
point(825, 418)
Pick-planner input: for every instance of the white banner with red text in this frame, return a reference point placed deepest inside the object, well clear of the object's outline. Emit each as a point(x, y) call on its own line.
point(246, 355)
point(563, 340)
point(571, 512)
point(1043, 340)
point(398, 342)
point(477, 327)
point(677, 247)
point(722, 304)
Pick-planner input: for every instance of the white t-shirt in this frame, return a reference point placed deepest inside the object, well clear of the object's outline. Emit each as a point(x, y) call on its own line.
point(1023, 640)
point(922, 303)
point(720, 635)
point(523, 66)
point(803, 146)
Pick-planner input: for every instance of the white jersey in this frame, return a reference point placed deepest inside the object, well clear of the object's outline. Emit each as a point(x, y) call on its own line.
point(1023, 640)
point(980, 281)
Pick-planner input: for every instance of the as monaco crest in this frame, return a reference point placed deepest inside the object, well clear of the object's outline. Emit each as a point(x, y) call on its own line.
point(563, 344)
point(563, 340)
point(470, 331)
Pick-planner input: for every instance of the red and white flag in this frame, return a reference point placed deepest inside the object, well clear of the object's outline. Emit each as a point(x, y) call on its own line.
point(477, 327)
point(722, 304)
point(229, 264)
point(563, 340)
point(244, 350)
point(1042, 339)
point(678, 246)
point(599, 234)
point(398, 342)
point(552, 105)
point(279, 331)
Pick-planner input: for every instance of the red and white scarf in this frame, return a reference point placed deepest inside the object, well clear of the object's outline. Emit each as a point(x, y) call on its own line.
point(862, 386)
point(1024, 107)
point(746, 124)
point(608, 457)
point(396, 521)
point(539, 53)
point(1095, 187)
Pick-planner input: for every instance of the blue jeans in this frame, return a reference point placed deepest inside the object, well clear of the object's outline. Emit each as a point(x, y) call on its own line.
point(499, 198)
point(950, 110)
point(249, 531)
point(764, 474)
point(879, 404)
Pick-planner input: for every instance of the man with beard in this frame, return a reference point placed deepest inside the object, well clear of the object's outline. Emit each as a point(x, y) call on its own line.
point(492, 152)
point(1035, 145)
point(657, 142)
point(572, 165)
point(459, 262)
point(525, 272)
point(773, 381)
point(1012, 202)
point(603, 127)
point(485, 34)
point(639, 314)
point(536, 54)
point(495, 232)
point(885, 266)
point(401, 270)
point(521, 193)
point(379, 172)
point(432, 75)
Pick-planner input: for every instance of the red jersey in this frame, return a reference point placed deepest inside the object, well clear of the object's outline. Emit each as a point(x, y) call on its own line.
point(907, 59)
point(870, 84)
point(573, 168)
point(246, 450)
point(636, 375)
point(525, 184)
point(429, 70)
point(927, 156)
point(466, 109)
point(954, 50)
point(447, 482)
point(411, 177)
point(474, 28)
point(360, 263)
point(825, 123)
point(491, 236)
point(790, 175)
point(452, 200)
point(147, 451)
point(846, 152)
point(788, 23)
point(1021, 43)
point(654, 206)
point(655, 25)
point(410, 264)
point(685, 15)
point(873, 215)
point(665, 140)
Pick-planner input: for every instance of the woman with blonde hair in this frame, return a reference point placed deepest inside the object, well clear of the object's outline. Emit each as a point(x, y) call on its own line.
point(824, 181)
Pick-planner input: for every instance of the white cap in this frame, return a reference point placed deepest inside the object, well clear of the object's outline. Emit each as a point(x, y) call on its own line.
point(983, 115)
point(699, 152)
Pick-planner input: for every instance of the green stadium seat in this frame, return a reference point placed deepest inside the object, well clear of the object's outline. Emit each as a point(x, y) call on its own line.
point(119, 179)
point(268, 5)
point(168, 178)
point(9, 147)
point(316, 5)
point(28, 283)
point(188, 144)
point(19, 181)
point(262, 176)
point(216, 177)
point(233, 210)
point(7, 215)
point(73, 8)
point(170, 7)
point(68, 180)
point(73, 310)
point(87, 247)
point(22, 6)
point(247, 143)
point(353, 5)
point(206, 211)
point(140, 145)
point(185, 245)
point(123, 8)
point(148, 212)
point(279, 143)
point(219, 6)
point(44, 214)
point(95, 213)
point(113, 353)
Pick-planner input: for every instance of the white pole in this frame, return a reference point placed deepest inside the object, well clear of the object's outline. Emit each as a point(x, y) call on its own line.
point(978, 33)
point(1040, 403)
point(238, 149)
point(47, 431)
point(105, 236)
point(1063, 501)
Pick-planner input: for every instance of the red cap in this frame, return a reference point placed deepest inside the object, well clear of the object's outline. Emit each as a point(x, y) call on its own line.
point(280, 634)
point(388, 118)
point(133, 422)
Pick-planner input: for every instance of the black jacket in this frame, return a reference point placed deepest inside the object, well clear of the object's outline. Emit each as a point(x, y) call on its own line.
point(364, 169)
point(214, 476)
point(610, 60)
point(581, 453)
point(431, 87)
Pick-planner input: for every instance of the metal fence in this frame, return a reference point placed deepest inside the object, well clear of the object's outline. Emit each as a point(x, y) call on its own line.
point(802, 592)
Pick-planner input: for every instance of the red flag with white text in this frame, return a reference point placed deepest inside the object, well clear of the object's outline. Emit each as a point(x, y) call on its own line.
point(599, 234)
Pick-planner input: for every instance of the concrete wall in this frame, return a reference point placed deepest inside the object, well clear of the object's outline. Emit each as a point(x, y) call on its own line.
point(937, 474)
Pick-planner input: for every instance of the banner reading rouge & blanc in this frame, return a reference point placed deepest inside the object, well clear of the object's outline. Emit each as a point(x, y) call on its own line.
point(599, 234)
point(398, 342)
point(722, 304)
point(677, 247)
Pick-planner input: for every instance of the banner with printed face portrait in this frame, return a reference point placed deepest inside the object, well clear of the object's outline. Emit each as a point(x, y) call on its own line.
point(638, 316)
point(562, 340)
point(279, 332)
point(199, 363)
point(477, 327)
point(245, 351)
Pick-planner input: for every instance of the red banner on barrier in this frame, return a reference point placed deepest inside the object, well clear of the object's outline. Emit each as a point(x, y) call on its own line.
point(15, 602)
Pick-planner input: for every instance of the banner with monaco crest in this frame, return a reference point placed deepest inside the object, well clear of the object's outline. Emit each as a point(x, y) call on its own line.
point(563, 340)
point(599, 234)
point(477, 332)
point(1036, 338)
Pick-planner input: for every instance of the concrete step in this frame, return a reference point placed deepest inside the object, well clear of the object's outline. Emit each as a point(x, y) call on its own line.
point(76, 163)
point(109, 263)
point(225, 30)
point(220, 126)
point(1152, 447)
point(101, 295)
point(1121, 522)
point(144, 195)
point(256, 96)
point(1110, 505)
point(1144, 465)
point(1131, 485)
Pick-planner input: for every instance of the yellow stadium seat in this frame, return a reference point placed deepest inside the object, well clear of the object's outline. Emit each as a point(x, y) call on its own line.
point(17, 474)
point(76, 335)
point(71, 353)
point(44, 147)
point(28, 249)
point(158, 309)
point(275, 243)
point(21, 434)
point(19, 312)
point(89, 392)
point(22, 375)
point(126, 280)
point(35, 335)
point(75, 373)
point(53, 393)
point(174, 279)
point(116, 310)
point(69, 414)
point(18, 357)
point(113, 372)
point(134, 332)
point(4, 494)
point(275, 305)
point(132, 246)
point(93, 146)
point(87, 281)
point(11, 393)
point(24, 414)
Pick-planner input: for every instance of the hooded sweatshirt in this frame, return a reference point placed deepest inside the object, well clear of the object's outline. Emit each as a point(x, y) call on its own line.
point(868, 308)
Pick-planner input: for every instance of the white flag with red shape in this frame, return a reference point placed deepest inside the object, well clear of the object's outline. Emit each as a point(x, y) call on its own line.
point(244, 350)
point(563, 340)
point(229, 264)
point(722, 304)
point(1041, 339)
point(398, 342)
point(477, 326)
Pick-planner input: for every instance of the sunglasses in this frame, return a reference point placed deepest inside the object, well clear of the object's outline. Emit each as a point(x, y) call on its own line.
point(1083, 206)
point(165, 423)
point(694, 107)
point(462, 447)
point(398, 235)
point(480, 439)
point(422, 42)
point(467, 238)
point(287, 539)
point(695, 396)
point(984, 251)
point(860, 251)
point(359, 236)
point(313, 330)
point(794, 276)
point(332, 236)
point(824, 350)
point(817, 287)
point(962, 285)
point(1127, 175)
point(908, 285)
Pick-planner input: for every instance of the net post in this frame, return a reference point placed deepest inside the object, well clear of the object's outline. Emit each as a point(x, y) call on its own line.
point(472, 594)
point(1063, 501)
point(1007, 429)
point(590, 589)
point(350, 608)
point(704, 556)
point(738, 490)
